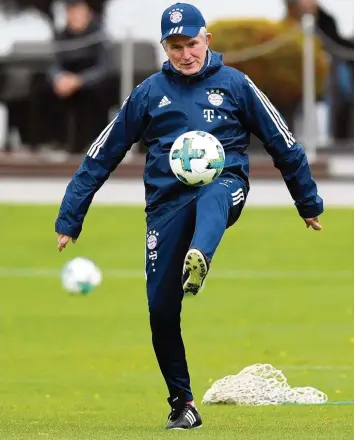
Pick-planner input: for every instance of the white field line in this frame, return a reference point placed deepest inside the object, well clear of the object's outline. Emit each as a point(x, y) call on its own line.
point(28, 272)
point(316, 367)
point(308, 367)
point(125, 374)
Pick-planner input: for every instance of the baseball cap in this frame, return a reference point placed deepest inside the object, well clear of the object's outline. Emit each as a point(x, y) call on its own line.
point(181, 19)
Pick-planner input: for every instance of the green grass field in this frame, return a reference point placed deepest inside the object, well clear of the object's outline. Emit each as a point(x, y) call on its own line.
point(83, 367)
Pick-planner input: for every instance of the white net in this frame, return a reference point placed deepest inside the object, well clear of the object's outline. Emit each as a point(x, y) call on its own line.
point(261, 384)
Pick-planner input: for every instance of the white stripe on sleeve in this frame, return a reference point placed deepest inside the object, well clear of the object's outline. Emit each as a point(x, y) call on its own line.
point(274, 115)
point(101, 139)
point(275, 112)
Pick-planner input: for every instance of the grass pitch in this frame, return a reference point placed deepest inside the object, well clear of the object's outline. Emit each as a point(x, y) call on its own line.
point(83, 367)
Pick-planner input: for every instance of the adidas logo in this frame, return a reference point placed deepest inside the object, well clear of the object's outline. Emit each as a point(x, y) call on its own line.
point(238, 196)
point(164, 101)
point(190, 417)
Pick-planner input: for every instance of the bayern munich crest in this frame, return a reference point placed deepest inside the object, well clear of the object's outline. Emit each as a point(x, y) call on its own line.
point(176, 15)
point(152, 239)
point(215, 97)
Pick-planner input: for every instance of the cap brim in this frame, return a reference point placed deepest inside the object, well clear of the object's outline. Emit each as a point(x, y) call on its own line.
point(188, 31)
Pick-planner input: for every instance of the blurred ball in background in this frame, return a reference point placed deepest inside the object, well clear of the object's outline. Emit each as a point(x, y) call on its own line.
point(80, 276)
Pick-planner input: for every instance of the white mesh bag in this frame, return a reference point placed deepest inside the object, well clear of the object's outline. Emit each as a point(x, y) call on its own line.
point(261, 384)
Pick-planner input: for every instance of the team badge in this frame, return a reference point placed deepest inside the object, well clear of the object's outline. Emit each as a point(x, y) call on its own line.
point(215, 97)
point(152, 239)
point(176, 15)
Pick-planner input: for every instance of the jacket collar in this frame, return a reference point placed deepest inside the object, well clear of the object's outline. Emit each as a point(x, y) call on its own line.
point(212, 63)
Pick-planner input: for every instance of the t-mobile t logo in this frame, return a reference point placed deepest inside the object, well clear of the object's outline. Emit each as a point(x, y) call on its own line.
point(208, 114)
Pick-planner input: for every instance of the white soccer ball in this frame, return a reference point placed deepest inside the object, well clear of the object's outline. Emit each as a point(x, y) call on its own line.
point(197, 158)
point(80, 276)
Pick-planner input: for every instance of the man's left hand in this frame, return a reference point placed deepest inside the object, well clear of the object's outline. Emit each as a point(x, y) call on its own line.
point(313, 223)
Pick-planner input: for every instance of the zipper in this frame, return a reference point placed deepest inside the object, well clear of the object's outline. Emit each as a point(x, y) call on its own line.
point(186, 86)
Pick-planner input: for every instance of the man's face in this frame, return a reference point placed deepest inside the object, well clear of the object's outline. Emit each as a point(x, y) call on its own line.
point(79, 17)
point(187, 54)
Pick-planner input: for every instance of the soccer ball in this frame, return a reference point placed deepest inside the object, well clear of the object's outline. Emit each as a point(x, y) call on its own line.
point(80, 276)
point(197, 158)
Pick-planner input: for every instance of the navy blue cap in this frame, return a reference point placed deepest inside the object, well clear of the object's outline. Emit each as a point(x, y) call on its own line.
point(181, 19)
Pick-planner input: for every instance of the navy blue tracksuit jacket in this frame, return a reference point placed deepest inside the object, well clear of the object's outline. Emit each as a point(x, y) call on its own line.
point(220, 100)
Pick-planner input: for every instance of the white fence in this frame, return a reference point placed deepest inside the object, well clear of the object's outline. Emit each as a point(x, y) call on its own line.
point(131, 192)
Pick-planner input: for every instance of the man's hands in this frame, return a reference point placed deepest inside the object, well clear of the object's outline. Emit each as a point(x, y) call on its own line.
point(66, 84)
point(313, 223)
point(63, 240)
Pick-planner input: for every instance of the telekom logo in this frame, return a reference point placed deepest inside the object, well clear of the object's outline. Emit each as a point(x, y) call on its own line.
point(208, 114)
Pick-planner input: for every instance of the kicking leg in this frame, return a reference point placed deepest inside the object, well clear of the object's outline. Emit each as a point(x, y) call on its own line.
point(218, 206)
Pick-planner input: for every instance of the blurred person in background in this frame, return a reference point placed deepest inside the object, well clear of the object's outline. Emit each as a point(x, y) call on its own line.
point(19, 26)
point(340, 85)
point(193, 91)
point(46, 7)
point(76, 107)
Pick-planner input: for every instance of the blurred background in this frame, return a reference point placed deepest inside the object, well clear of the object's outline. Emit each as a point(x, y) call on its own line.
point(67, 65)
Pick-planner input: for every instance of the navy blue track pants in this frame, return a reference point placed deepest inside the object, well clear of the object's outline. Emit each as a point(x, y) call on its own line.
point(200, 224)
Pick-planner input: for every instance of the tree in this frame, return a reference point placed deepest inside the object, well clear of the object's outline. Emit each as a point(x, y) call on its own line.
point(271, 54)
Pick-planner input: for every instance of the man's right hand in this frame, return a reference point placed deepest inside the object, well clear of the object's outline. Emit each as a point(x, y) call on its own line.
point(63, 240)
point(313, 223)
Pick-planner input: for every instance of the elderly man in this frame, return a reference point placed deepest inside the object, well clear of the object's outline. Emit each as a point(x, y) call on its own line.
point(185, 224)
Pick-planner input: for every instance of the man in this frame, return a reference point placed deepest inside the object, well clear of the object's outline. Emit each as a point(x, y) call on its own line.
point(78, 79)
point(340, 87)
point(193, 91)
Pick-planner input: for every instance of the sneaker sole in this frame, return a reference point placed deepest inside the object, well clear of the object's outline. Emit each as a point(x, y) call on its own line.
point(196, 266)
point(185, 429)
